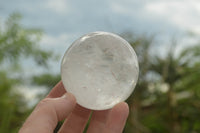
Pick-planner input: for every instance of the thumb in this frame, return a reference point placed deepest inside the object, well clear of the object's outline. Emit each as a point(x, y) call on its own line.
point(47, 113)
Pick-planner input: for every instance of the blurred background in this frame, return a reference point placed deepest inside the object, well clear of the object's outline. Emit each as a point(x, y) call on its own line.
point(164, 33)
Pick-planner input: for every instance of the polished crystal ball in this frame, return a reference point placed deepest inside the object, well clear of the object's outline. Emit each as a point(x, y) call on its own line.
point(100, 69)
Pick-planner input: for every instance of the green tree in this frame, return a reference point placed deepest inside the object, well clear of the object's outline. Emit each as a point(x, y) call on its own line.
point(181, 74)
point(17, 43)
point(175, 109)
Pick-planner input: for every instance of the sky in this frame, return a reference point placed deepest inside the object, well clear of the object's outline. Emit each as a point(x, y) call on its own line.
point(64, 21)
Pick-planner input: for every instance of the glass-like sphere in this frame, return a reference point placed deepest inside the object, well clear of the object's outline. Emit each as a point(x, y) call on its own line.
point(100, 69)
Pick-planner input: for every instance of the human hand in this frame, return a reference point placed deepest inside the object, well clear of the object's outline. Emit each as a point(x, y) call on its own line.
point(59, 105)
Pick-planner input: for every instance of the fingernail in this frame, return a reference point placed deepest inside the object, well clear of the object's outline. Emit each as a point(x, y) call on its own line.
point(69, 96)
point(63, 96)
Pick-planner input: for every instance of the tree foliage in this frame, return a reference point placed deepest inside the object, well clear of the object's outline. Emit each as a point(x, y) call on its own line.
point(168, 100)
point(17, 43)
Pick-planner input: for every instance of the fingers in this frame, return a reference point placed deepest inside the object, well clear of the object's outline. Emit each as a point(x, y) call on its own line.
point(76, 122)
point(55, 108)
point(57, 91)
point(47, 113)
point(117, 118)
point(98, 121)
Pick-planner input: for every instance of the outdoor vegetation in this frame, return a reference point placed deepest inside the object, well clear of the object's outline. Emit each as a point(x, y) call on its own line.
point(166, 98)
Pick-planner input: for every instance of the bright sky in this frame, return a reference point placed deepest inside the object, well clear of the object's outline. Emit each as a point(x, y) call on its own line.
point(63, 21)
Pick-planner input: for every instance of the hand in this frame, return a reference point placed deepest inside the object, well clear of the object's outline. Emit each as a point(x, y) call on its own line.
point(59, 105)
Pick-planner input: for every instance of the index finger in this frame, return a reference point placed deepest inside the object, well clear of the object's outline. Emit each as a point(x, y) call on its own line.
point(57, 91)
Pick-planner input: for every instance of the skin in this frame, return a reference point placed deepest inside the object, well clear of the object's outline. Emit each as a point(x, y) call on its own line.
point(60, 105)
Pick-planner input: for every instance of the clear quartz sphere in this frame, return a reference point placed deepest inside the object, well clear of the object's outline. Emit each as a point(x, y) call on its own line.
point(100, 69)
